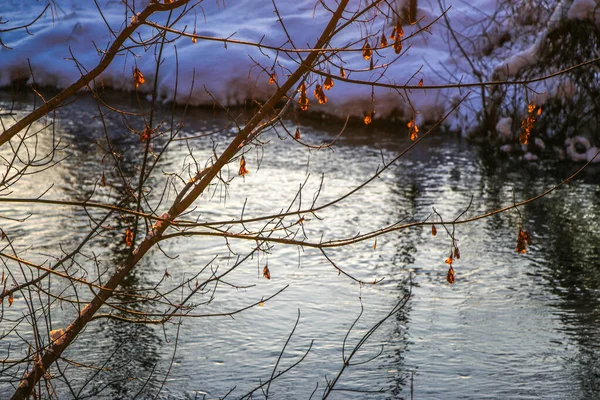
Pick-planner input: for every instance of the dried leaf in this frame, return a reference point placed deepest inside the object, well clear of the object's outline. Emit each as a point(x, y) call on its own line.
point(420, 83)
point(367, 52)
point(273, 78)
point(523, 240)
point(375, 244)
point(243, 170)
point(103, 180)
point(433, 230)
point(146, 134)
point(261, 303)
point(399, 30)
point(368, 119)
point(129, 237)
point(450, 275)
point(303, 98)
point(194, 40)
point(384, 41)
point(11, 299)
point(342, 73)
point(320, 95)
point(449, 260)
point(328, 84)
point(138, 77)
point(297, 135)
point(456, 254)
point(167, 274)
point(413, 130)
point(266, 272)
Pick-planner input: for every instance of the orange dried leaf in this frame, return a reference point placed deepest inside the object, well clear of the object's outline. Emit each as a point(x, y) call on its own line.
point(384, 41)
point(194, 40)
point(328, 84)
point(367, 52)
point(375, 244)
point(450, 275)
point(342, 73)
point(531, 107)
point(320, 95)
point(433, 230)
point(303, 98)
point(539, 111)
point(243, 170)
point(449, 260)
point(297, 135)
point(368, 119)
point(399, 30)
point(266, 272)
point(523, 240)
point(138, 77)
point(273, 78)
point(413, 130)
point(421, 83)
point(397, 45)
point(146, 134)
point(129, 237)
point(11, 299)
point(456, 254)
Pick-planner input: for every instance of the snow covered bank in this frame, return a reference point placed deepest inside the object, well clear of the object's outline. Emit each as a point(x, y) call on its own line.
point(488, 39)
point(76, 30)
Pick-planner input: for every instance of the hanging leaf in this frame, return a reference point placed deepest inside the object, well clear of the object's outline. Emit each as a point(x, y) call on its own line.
point(167, 274)
point(103, 180)
point(367, 52)
point(456, 254)
point(433, 230)
point(450, 275)
point(303, 98)
point(266, 272)
point(328, 84)
point(384, 41)
point(421, 83)
point(523, 240)
point(194, 40)
point(273, 78)
point(320, 95)
point(398, 34)
point(528, 123)
point(399, 30)
point(342, 73)
point(449, 260)
point(297, 135)
point(368, 119)
point(375, 244)
point(138, 77)
point(129, 237)
point(11, 299)
point(243, 170)
point(146, 134)
point(413, 130)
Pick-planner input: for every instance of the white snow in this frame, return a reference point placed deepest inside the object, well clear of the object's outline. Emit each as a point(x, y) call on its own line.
point(231, 74)
point(202, 72)
point(504, 128)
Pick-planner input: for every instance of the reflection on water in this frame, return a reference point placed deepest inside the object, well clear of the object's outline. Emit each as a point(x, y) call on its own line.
point(513, 326)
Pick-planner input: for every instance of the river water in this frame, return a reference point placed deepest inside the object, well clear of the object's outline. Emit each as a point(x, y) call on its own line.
point(518, 326)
